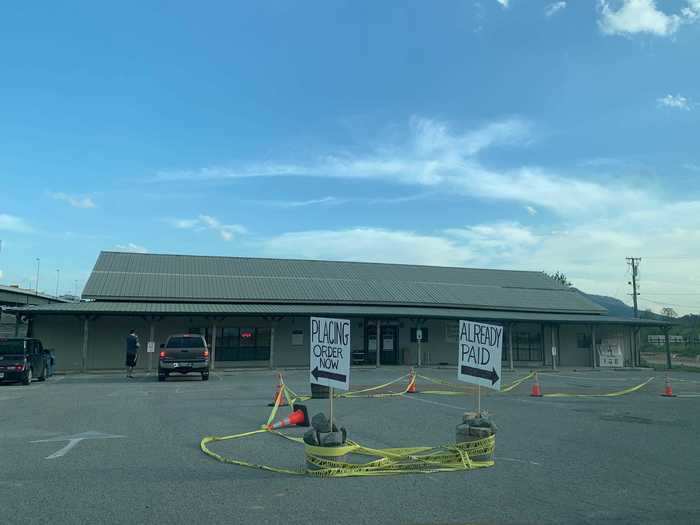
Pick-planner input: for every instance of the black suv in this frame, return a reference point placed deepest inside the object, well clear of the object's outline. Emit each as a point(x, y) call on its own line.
point(22, 359)
point(183, 354)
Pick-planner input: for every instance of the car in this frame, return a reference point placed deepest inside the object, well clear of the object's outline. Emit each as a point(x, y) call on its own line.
point(183, 354)
point(22, 359)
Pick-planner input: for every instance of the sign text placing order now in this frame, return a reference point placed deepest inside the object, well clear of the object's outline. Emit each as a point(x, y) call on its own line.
point(330, 352)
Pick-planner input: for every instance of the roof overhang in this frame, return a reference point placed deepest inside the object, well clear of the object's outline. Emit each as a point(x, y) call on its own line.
point(101, 308)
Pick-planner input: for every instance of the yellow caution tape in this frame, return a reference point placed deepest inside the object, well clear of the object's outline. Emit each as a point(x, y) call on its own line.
point(609, 394)
point(324, 461)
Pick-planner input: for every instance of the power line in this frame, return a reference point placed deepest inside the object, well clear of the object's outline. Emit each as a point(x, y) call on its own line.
point(671, 304)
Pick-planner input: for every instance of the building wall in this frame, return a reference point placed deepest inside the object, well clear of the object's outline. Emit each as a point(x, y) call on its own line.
point(106, 341)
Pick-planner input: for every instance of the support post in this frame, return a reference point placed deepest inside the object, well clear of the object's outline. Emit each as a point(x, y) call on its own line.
point(17, 323)
point(554, 349)
point(272, 347)
point(85, 344)
point(151, 338)
point(668, 349)
point(593, 347)
point(510, 344)
point(379, 342)
point(212, 359)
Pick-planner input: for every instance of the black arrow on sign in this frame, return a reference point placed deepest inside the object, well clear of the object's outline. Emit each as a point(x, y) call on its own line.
point(478, 372)
point(328, 375)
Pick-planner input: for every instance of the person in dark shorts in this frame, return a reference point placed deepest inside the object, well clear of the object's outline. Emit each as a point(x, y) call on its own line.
point(132, 349)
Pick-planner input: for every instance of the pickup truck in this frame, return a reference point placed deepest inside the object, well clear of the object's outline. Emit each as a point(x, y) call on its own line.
point(182, 354)
point(22, 359)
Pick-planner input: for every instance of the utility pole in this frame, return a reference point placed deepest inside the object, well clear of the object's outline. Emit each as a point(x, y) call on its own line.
point(38, 263)
point(634, 265)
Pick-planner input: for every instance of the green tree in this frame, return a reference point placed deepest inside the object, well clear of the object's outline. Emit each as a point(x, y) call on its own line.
point(559, 276)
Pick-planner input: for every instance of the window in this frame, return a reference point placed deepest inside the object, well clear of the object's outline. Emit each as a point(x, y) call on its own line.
point(414, 339)
point(297, 337)
point(451, 332)
point(528, 346)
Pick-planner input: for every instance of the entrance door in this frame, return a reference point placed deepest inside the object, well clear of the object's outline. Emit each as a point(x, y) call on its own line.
point(388, 342)
point(389, 345)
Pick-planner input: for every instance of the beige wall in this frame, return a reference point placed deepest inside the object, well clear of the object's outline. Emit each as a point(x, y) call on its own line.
point(106, 342)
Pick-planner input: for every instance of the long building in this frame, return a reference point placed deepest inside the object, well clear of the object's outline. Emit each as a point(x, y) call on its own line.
point(14, 296)
point(255, 312)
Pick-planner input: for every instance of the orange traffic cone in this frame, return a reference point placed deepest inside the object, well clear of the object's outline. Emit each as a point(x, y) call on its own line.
point(668, 390)
point(411, 382)
point(279, 393)
point(536, 390)
point(299, 418)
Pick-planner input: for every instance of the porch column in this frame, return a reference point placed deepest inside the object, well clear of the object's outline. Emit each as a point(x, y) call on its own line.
point(212, 359)
point(554, 349)
point(593, 347)
point(17, 324)
point(151, 339)
point(379, 339)
point(511, 326)
point(85, 343)
point(272, 347)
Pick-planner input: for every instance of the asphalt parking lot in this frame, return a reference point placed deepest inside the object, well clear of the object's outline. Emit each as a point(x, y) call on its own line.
point(135, 454)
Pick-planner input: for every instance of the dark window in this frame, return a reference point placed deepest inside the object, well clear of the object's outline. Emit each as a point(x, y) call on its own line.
point(414, 339)
point(527, 346)
point(185, 342)
point(11, 347)
point(583, 341)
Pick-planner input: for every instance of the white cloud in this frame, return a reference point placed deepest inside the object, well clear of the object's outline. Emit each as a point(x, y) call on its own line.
point(13, 223)
point(554, 8)
point(629, 17)
point(77, 201)
point(504, 3)
point(590, 252)
point(674, 101)
point(369, 244)
point(207, 222)
point(131, 247)
point(530, 210)
point(434, 157)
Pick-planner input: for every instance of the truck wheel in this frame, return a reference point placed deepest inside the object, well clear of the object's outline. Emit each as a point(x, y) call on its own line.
point(205, 376)
point(27, 377)
point(161, 377)
point(43, 375)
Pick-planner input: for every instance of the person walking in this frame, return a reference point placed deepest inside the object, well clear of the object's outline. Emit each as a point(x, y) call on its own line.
point(132, 355)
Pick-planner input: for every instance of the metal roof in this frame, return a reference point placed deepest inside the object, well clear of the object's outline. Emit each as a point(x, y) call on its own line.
point(13, 295)
point(267, 309)
point(186, 278)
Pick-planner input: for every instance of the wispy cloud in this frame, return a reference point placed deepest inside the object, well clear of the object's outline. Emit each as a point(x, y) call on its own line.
point(207, 222)
point(323, 201)
point(553, 8)
point(674, 101)
point(504, 3)
point(643, 16)
point(13, 223)
point(77, 201)
point(437, 158)
point(131, 247)
point(530, 210)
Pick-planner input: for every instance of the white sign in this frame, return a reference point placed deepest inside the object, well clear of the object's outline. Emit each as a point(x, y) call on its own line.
point(419, 334)
point(330, 352)
point(479, 360)
point(151, 347)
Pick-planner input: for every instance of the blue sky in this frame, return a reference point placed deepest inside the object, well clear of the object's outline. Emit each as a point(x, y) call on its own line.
point(492, 133)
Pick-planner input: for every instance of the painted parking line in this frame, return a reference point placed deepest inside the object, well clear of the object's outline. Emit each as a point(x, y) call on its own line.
point(413, 398)
point(73, 441)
